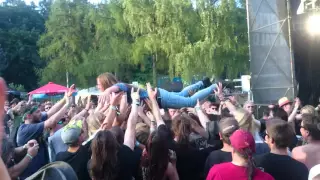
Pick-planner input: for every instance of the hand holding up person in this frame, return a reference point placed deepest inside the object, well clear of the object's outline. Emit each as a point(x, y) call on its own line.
point(151, 93)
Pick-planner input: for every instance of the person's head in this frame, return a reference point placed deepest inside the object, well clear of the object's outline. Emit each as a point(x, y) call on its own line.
point(142, 133)
point(47, 106)
point(6, 106)
point(71, 133)
point(94, 121)
point(118, 134)
point(265, 114)
point(14, 102)
point(105, 81)
point(310, 127)
point(285, 104)
point(279, 134)
point(7, 152)
point(33, 115)
point(280, 114)
point(182, 127)
point(243, 149)
point(226, 127)
point(104, 162)
point(308, 109)
point(172, 112)
point(249, 106)
point(244, 119)
point(157, 158)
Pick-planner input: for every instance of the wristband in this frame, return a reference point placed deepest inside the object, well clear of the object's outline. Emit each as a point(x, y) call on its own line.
point(197, 108)
point(29, 156)
point(136, 102)
point(137, 144)
point(115, 108)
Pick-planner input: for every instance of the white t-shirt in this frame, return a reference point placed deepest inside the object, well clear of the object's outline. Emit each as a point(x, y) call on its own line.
point(314, 171)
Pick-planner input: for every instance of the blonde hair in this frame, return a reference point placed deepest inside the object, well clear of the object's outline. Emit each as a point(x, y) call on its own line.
point(244, 119)
point(308, 109)
point(94, 121)
point(107, 80)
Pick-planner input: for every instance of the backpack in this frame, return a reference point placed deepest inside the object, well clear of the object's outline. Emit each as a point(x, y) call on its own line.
point(54, 171)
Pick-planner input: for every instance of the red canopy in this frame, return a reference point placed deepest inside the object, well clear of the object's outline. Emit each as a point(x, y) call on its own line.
point(50, 88)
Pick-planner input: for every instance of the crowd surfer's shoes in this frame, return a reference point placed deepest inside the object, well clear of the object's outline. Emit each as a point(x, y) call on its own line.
point(206, 82)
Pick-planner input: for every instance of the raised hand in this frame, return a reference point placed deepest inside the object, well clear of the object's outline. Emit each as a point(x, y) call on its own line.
point(151, 93)
point(135, 96)
point(70, 90)
point(297, 103)
point(150, 116)
point(115, 98)
point(219, 91)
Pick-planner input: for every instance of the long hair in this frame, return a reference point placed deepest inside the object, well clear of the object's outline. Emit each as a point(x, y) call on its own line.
point(104, 162)
point(155, 163)
point(107, 80)
point(247, 155)
point(182, 128)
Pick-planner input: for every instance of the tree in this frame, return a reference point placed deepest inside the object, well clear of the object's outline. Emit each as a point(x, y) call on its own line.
point(20, 28)
point(222, 46)
point(144, 19)
point(67, 41)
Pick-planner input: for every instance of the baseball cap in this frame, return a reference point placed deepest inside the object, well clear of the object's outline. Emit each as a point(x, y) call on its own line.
point(242, 140)
point(283, 101)
point(71, 132)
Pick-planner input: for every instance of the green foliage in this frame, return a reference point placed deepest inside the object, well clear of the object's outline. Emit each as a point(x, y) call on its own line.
point(17, 87)
point(136, 39)
point(20, 28)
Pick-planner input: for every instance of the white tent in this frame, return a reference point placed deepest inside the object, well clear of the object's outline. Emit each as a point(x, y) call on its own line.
point(87, 92)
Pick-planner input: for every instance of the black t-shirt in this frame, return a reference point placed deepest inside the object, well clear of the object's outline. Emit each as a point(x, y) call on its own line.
point(78, 161)
point(282, 167)
point(127, 163)
point(216, 157)
point(190, 161)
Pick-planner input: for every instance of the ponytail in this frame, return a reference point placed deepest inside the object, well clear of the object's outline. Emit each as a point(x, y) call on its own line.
point(247, 155)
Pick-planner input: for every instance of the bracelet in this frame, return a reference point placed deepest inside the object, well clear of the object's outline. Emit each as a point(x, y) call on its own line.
point(137, 144)
point(29, 156)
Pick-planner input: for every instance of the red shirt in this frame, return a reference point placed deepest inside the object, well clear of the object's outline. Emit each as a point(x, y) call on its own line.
point(229, 171)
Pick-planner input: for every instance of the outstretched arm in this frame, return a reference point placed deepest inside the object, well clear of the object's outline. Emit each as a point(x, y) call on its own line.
point(130, 134)
point(155, 107)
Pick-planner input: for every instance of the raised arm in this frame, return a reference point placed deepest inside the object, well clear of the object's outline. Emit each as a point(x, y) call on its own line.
point(113, 110)
point(130, 134)
point(54, 119)
point(3, 170)
point(155, 107)
point(292, 117)
point(85, 111)
point(202, 116)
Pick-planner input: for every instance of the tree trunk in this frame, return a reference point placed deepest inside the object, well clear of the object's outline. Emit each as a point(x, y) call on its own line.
point(154, 70)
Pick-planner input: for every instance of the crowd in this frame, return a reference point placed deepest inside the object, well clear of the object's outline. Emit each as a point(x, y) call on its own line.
point(152, 134)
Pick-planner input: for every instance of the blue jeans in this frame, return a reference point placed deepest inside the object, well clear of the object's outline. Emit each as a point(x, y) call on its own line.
point(180, 100)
